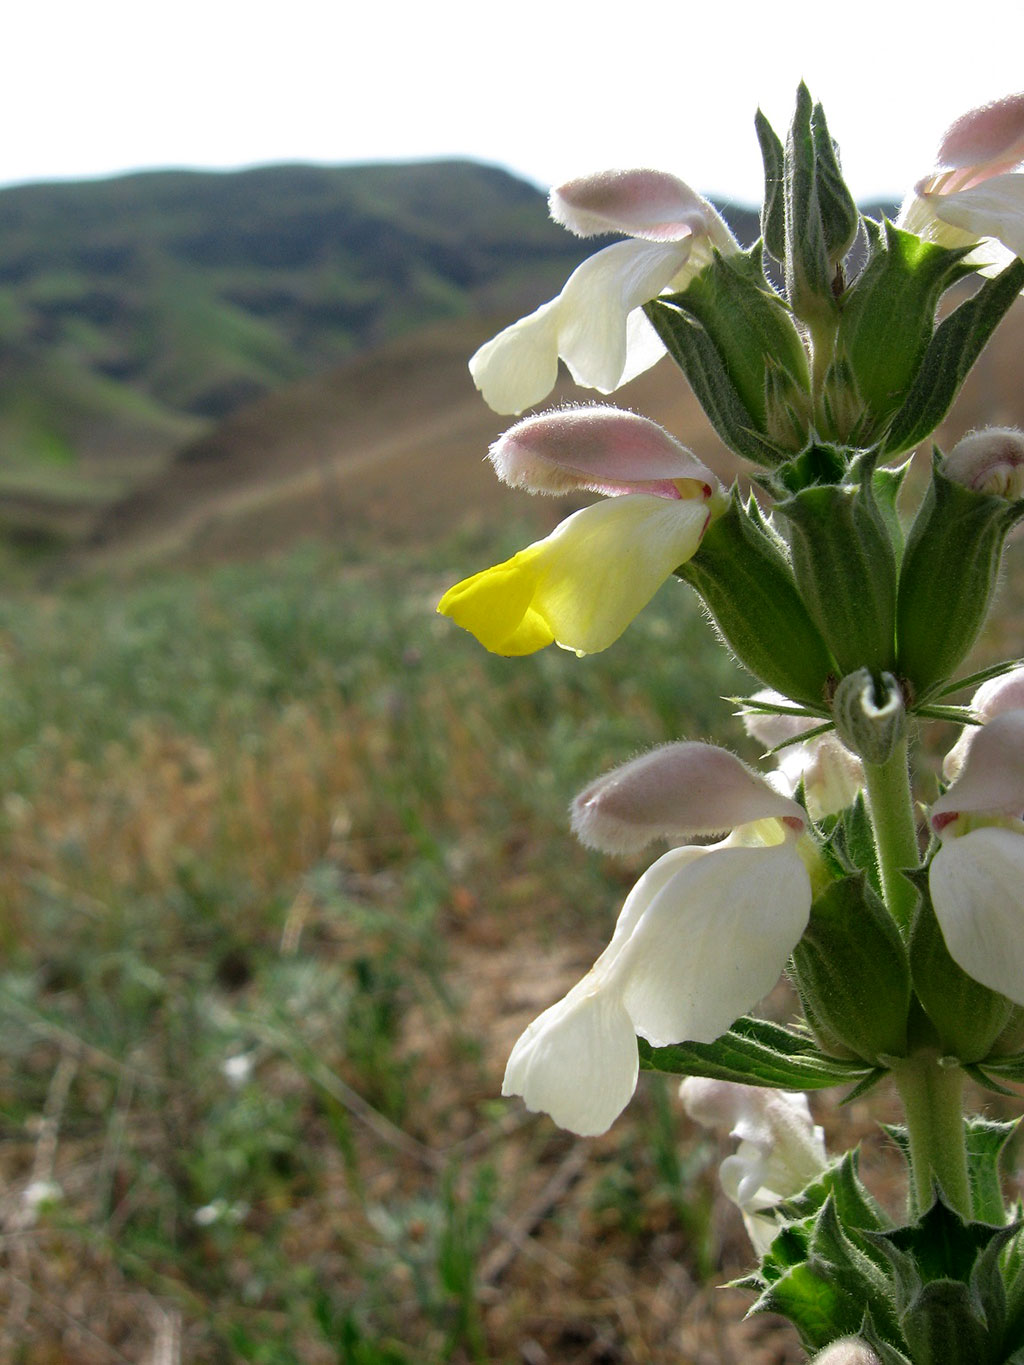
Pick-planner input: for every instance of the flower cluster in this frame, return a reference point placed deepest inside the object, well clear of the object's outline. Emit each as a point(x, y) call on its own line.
point(902, 937)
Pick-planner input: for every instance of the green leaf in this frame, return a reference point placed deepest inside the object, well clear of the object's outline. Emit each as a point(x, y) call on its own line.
point(741, 571)
point(943, 1325)
point(986, 1141)
point(852, 972)
point(955, 346)
point(818, 1309)
point(748, 324)
point(845, 568)
point(888, 318)
point(967, 1016)
point(855, 1206)
point(854, 841)
point(773, 211)
point(948, 576)
point(694, 351)
point(826, 1296)
point(754, 1052)
point(839, 217)
point(808, 269)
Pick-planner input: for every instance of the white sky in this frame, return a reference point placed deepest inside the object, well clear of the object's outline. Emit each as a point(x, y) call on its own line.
point(549, 88)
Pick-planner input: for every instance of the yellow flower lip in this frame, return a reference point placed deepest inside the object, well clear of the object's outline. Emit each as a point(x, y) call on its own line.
point(582, 585)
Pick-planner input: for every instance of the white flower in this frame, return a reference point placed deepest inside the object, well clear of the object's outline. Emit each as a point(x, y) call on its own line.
point(973, 193)
point(596, 324)
point(831, 775)
point(780, 1152)
point(977, 876)
point(703, 935)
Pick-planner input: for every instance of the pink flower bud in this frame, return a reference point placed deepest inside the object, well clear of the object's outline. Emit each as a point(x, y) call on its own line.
point(603, 449)
point(677, 791)
point(651, 205)
point(989, 461)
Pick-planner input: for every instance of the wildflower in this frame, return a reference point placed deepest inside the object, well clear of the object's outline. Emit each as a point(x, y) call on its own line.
point(831, 775)
point(596, 324)
point(780, 1152)
point(582, 585)
point(977, 873)
point(973, 193)
point(703, 935)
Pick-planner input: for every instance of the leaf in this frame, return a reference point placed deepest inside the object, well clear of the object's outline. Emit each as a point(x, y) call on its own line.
point(754, 1052)
point(955, 346)
point(852, 972)
point(773, 212)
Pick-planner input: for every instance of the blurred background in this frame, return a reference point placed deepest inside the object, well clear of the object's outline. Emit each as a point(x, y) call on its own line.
point(285, 864)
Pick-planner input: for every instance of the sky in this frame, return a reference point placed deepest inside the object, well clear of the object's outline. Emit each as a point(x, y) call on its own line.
point(546, 88)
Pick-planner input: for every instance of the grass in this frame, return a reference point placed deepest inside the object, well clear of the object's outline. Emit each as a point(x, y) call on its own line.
point(285, 869)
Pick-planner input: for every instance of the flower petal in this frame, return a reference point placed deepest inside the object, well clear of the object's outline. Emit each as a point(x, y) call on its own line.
point(994, 208)
point(1003, 693)
point(985, 141)
point(676, 791)
point(976, 885)
point(596, 302)
point(518, 368)
point(583, 584)
point(713, 941)
point(651, 205)
point(588, 325)
point(577, 1062)
point(992, 777)
point(596, 447)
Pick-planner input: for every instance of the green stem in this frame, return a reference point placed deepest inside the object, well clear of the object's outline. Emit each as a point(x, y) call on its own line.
point(932, 1098)
point(891, 807)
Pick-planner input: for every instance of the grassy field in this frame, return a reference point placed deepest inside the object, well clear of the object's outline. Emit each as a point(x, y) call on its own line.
point(285, 871)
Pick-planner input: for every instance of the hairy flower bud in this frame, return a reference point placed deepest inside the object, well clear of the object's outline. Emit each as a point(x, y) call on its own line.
point(989, 461)
point(847, 1351)
point(870, 714)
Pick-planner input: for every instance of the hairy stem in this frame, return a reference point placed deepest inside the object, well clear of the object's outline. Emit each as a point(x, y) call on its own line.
point(932, 1096)
point(891, 807)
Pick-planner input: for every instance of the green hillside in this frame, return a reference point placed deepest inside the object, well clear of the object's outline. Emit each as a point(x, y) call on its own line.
point(138, 311)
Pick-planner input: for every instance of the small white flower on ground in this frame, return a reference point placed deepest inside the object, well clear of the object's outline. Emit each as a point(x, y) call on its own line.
point(781, 1150)
point(831, 775)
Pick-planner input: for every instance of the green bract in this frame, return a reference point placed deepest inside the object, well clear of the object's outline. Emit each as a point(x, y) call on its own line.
point(947, 578)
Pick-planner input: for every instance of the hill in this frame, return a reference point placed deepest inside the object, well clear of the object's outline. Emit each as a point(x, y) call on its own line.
point(391, 446)
point(139, 311)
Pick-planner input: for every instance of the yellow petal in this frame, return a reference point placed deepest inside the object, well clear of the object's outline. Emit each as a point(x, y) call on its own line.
point(583, 584)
